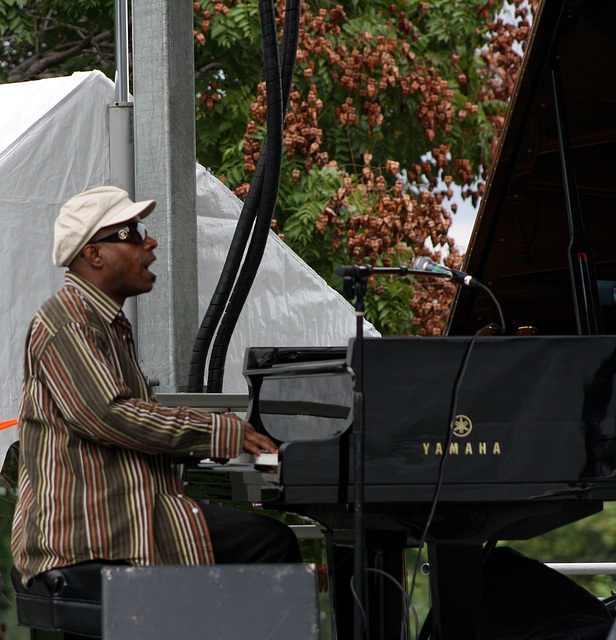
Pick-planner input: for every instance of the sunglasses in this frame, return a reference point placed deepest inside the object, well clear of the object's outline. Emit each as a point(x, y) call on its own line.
point(134, 232)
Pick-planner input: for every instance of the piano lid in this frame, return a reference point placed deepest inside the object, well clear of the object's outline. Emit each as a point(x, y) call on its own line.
point(520, 243)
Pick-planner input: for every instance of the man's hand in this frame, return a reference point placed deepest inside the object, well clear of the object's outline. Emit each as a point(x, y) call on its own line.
point(254, 442)
point(257, 443)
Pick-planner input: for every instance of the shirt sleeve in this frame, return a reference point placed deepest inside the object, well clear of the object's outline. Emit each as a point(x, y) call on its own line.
point(93, 400)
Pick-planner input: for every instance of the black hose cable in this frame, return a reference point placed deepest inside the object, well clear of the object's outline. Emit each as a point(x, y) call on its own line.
point(243, 228)
point(245, 222)
point(267, 201)
point(290, 40)
point(269, 197)
point(226, 280)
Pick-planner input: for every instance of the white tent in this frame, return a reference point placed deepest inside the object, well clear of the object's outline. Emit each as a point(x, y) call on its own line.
point(54, 142)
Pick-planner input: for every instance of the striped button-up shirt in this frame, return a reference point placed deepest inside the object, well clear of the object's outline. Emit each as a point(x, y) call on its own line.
point(97, 477)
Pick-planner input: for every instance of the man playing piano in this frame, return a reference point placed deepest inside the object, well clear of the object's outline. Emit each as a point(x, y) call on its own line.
point(98, 478)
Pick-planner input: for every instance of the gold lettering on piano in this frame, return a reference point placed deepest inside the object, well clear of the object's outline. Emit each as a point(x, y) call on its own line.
point(461, 427)
point(470, 448)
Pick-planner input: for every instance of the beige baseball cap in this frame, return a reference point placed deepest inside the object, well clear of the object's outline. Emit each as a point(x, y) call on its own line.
point(84, 214)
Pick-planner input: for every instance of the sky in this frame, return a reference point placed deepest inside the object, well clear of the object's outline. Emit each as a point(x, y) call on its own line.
point(462, 222)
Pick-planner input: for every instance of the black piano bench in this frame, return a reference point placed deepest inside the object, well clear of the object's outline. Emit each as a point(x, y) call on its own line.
point(94, 600)
point(66, 601)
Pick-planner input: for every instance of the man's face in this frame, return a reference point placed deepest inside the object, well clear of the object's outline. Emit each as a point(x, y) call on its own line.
point(126, 263)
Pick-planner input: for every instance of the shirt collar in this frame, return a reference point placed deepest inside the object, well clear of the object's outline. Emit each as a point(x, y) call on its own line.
point(107, 308)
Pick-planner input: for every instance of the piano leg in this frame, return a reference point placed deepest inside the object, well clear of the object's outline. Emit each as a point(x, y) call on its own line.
point(385, 553)
point(455, 589)
point(385, 606)
point(340, 572)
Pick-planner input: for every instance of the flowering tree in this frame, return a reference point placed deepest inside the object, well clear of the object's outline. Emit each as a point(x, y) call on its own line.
point(394, 104)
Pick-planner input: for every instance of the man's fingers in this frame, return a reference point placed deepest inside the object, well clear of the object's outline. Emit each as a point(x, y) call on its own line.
point(255, 442)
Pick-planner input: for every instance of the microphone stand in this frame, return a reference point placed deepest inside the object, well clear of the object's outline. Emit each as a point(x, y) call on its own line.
point(355, 287)
point(358, 285)
point(354, 282)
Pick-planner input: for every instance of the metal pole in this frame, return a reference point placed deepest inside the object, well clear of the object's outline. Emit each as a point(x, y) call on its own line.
point(121, 138)
point(121, 50)
point(121, 147)
point(583, 568)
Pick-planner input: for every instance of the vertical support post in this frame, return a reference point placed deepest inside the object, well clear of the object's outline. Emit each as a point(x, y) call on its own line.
point(163, 84)
point(360, 618)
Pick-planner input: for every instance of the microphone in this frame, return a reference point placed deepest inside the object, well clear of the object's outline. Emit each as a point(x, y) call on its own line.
point(423, 263)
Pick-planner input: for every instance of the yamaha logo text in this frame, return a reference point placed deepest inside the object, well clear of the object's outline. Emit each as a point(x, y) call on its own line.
point(462, 428)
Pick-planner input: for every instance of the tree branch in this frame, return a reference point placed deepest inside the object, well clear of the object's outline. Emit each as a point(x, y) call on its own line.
point(212, 66)
point(34, 67)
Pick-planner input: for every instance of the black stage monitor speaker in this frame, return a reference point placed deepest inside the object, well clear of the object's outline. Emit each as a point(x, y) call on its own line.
point(215, 602)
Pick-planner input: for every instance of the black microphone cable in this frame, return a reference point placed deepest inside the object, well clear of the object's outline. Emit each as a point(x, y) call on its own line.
point(441, 471)
point(452, 413)
point(407, 599)
point(461, 279)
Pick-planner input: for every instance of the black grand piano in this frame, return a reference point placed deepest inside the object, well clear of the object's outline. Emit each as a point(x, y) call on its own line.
point(532, 443)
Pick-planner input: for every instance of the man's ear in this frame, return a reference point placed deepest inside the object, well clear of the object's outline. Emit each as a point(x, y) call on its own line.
point(92, 256)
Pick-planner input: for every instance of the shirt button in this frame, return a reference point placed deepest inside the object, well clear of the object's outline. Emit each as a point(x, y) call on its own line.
point(180, 495)
point(192, 453)
point(195, 510)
